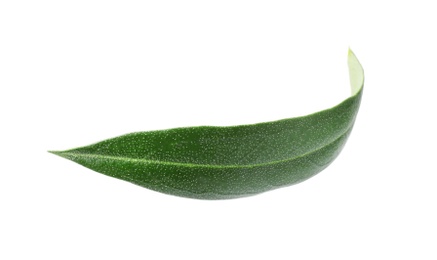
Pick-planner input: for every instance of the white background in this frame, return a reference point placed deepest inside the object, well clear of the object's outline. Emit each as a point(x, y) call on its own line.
point(76, 72)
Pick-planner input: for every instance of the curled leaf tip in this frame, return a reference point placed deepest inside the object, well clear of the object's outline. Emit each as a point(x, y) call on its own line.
point(356, 73)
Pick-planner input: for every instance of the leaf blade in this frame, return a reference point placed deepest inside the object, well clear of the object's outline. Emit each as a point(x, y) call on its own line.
point(209, 162)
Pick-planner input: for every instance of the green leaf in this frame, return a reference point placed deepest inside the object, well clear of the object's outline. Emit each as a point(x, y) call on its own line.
point(209, 162)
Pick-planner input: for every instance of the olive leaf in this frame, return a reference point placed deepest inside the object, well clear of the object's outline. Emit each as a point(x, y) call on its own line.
point(209, 162)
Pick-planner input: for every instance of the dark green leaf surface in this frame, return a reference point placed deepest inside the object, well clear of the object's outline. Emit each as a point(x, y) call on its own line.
point(210, 162)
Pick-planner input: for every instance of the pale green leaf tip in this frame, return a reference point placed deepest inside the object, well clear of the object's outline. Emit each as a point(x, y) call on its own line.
point(356, 73)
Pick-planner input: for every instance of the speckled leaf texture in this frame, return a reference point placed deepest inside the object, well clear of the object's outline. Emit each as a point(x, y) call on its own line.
point(209, 162)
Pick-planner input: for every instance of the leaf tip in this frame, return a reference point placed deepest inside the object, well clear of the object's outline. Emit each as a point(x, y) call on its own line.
point(356, 74)
point(58, 153)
